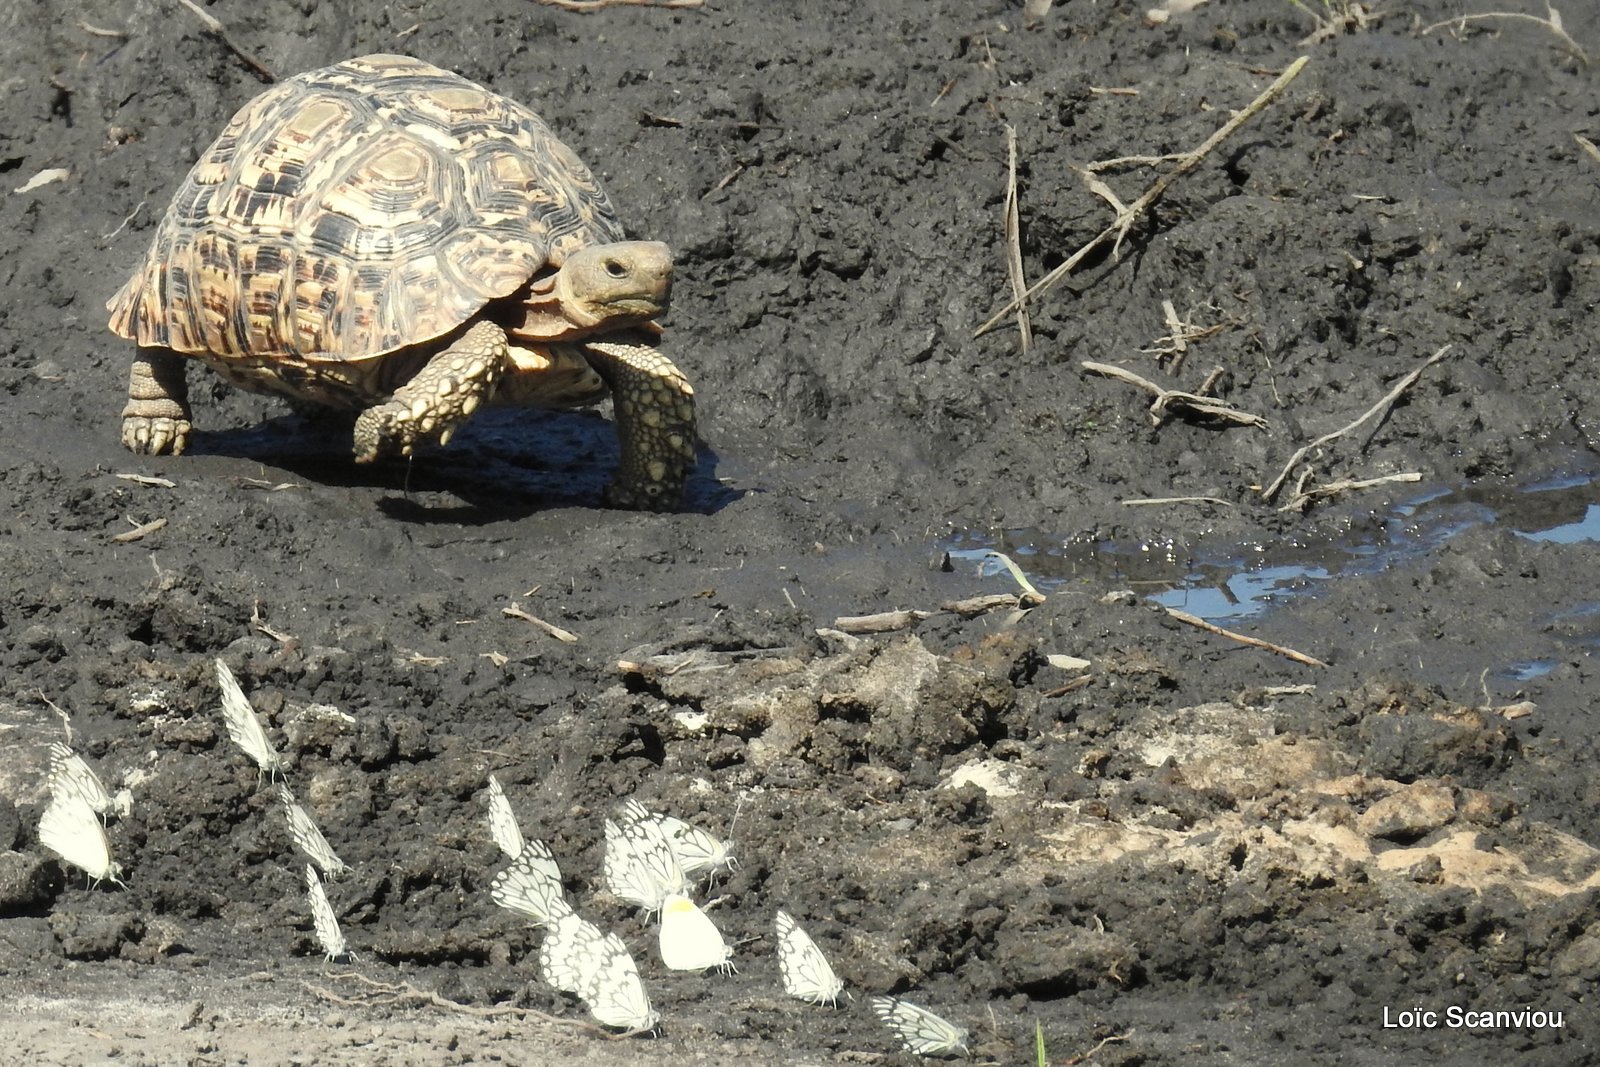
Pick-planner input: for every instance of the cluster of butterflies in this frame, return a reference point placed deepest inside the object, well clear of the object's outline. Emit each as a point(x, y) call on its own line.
point(651, 861)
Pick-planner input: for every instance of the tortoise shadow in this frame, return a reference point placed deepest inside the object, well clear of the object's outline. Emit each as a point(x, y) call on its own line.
point(502, 465)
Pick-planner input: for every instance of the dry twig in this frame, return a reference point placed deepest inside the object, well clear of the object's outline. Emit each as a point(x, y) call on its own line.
point(1019, 281)
point(1147, 500)
point(1551, 22)
point(1170, 401)
point(146, 479)
point(1126, 217)
point(1245, 639)
point(139, 532)
point(1382, 406)
point(387, 993)
point(515, 611)
point(882, 622)
point(220, 32)
point(1304, 499)
point(598, 5)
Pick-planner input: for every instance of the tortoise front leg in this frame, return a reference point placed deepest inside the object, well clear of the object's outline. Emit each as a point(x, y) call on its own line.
point(156, 417)
point(434, 404)
point(653, 404)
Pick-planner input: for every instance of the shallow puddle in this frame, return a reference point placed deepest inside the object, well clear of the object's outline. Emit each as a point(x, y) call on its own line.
point(1227, 583)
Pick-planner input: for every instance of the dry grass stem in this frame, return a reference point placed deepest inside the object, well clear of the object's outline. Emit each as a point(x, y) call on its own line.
point(139, 532)
point(1304, 499)
point(515, 611)
point(1170, 402)
point(1551, 22)
point(600, 5)
point(1152, 500)
point(1126, 218)
point(220, 32)
point(1381, 407)
point(146, 479)
point(1244, 639)
point(1019, 281)
point(100, 31)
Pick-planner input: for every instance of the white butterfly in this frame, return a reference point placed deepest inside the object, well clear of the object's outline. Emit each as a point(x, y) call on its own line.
point(308, 838)
point(69, 828)
point(531, 886)
point(322, 918)
point(639, 866)
point(805, 970)
point(697, 852)
point(570, 950)
point(69, 773)
point(614, 993)
point(689, 940)
point(243, 726)
point(503, 821)
point(919, 1030)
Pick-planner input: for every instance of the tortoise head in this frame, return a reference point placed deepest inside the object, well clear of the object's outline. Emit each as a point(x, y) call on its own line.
point(599, 287)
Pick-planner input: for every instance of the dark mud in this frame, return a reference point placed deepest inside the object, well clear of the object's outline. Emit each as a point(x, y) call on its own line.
point(1186, 851)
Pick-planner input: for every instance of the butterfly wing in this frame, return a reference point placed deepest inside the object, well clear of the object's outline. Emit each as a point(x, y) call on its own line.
point(697, 851)
point(688, 939)
point(806, 972)
point(570, 952)
point(308, 837)
point(919, 1030)
point(69, 771)
point(243, 726)
point(615, 994)
point(503, 821)
point(639, 865)
point(531, 886)
point(69, 828)
point(323, 920)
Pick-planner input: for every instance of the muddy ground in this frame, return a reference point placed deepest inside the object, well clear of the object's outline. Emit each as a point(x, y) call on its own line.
point(1190, 850)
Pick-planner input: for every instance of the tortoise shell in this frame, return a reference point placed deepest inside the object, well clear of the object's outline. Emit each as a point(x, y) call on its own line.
point(355, 210)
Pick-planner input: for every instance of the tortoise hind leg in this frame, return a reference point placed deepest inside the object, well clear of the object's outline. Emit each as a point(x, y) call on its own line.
point(653, 404)
point(156, 418)
point(438, 399)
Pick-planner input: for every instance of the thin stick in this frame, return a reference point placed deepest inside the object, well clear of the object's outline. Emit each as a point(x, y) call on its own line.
point(386, 994)
point(596, 5)
point(1014, 271)
point(1142, 501)
point(1168, 400)
point(1381, 406)
point(883, 622)
point(1303, 499)
point(220, 32)
point(139, 532)
point(1125, 219)
point(515, 611)
point(1254, 642)
point(1551, 23)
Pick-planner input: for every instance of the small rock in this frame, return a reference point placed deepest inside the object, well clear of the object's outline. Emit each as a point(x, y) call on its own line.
point(1410, 813)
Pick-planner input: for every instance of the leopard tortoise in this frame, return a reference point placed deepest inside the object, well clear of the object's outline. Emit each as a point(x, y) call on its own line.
point(385, 237)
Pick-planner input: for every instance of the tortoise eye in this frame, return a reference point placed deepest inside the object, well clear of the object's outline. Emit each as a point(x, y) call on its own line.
point(615, 269)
